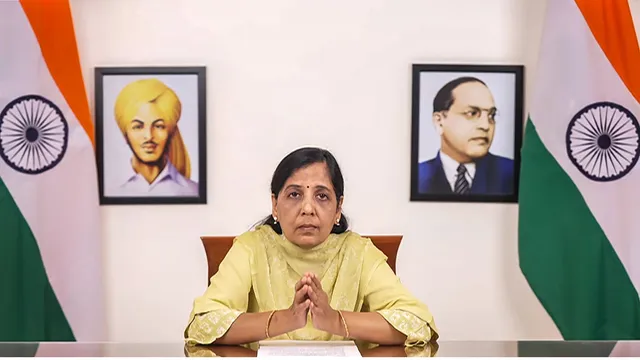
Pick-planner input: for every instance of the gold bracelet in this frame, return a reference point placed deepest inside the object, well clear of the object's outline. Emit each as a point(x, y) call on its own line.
point(346, 328)
point(266, 329)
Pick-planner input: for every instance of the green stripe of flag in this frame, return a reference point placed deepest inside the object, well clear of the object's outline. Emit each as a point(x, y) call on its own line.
point(29, 310)
point(565, 256)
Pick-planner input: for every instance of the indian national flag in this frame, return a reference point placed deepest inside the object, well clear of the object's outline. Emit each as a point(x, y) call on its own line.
point(579, 221)
point(50, 259)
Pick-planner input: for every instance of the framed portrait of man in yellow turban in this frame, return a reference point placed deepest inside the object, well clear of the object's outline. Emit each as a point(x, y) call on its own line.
point(151, 135)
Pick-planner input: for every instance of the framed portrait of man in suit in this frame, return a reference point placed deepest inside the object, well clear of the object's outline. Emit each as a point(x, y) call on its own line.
point(151, 135)
point(466, 132)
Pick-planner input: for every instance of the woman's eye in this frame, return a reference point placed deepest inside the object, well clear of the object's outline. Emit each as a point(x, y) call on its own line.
point(323, 196)
point(294, 195)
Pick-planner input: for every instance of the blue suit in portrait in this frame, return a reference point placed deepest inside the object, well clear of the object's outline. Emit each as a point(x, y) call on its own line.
point(494, 176)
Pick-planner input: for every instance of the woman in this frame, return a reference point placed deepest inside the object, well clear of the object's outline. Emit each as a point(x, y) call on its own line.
point(302, 275)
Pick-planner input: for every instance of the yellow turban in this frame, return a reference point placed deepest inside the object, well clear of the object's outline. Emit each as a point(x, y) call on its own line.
point(167, 103)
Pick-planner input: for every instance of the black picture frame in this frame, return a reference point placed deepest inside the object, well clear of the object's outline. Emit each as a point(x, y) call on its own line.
point(496, 178)
point(188, 85)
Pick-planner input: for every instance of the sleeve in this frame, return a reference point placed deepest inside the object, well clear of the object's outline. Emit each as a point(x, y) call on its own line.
point(224, 300)
point(386, 295)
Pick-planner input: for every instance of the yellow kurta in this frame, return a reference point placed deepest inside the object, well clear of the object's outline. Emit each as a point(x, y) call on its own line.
point(261, 269)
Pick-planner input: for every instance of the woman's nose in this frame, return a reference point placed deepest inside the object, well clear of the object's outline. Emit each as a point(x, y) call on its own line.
point(307, 207)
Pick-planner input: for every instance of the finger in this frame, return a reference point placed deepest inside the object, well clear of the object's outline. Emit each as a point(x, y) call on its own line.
point(313, 296)
point(316, 281)
point(307, 280)
point(312, 284)
point(307, 309)
point(318, 291)
point(301, 294)
point(305, 305)
point(312, 308)
point(299, 284)
point(315, 310)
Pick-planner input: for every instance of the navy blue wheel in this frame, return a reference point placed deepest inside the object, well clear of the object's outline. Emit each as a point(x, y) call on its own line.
point(602, 141)
point(34, 134)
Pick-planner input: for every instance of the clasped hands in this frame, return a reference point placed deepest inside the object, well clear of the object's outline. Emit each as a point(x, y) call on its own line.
point(310, 298)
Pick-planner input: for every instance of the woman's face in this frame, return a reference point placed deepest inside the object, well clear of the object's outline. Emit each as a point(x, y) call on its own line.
point(306, 207)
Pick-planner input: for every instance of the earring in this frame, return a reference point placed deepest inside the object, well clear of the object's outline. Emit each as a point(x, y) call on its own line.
point(275, 219)
point(338, 222)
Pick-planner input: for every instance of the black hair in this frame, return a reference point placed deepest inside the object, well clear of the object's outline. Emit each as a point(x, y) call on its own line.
point(444, 98)
point(301, 158)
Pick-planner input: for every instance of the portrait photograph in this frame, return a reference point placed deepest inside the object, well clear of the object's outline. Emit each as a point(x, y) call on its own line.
point(466, 132)
point(151, 135)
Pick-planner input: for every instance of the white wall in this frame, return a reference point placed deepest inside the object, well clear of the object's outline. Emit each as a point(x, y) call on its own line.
point(287, 73)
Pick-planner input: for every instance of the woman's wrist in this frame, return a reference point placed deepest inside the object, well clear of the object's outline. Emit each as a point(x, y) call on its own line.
point(339, 325)
point(282, 322)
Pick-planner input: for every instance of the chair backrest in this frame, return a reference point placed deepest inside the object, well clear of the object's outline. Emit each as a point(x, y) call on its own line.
point(216, 248)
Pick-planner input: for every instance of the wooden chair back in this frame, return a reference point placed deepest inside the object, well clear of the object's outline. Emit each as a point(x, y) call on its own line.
point(216, 248)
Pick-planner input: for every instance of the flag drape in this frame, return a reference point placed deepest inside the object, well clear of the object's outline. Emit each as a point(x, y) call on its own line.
point(50, 258)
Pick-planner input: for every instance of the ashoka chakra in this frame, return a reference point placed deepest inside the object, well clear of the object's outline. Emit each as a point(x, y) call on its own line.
point(603, 140)
point(33, 134)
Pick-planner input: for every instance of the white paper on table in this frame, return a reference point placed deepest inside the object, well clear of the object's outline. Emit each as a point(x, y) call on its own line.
point(269, 348)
